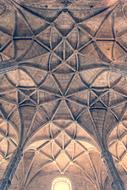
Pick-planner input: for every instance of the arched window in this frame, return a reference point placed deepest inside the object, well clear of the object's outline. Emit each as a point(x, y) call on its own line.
point(61, 183)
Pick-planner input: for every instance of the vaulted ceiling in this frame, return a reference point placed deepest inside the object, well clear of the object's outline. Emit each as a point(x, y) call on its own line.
point(63, 93)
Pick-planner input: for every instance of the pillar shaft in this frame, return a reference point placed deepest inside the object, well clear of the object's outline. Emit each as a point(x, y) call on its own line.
point(108, 160)
point(10, 170)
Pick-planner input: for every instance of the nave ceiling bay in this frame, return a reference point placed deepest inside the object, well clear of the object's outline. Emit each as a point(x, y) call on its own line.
point(63, 94)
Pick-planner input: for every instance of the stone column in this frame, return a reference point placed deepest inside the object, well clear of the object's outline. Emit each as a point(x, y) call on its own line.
point(10, 170)
point(108, 160)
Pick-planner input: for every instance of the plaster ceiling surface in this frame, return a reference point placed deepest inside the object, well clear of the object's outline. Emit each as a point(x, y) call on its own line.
point(63, 91)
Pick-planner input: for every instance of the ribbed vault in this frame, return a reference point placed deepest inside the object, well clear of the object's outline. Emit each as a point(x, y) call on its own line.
point(63, 94)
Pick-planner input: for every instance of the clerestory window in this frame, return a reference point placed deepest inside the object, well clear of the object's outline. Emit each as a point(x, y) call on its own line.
point(61, 183)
